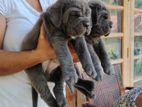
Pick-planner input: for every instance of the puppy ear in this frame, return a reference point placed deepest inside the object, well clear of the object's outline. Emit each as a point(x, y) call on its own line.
point(54, 14)
point(96, 5)
point(47, 22)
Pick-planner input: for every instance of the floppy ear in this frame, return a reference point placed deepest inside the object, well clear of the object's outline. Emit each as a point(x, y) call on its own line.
point(47, 22)
point(93, 7)
point(96, 6)
point(54, 15)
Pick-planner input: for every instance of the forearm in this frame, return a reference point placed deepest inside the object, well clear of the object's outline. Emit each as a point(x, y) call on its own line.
point(12, 62)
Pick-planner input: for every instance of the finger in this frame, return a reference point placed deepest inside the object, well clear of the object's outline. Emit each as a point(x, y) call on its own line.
point(42, 32)
point(77, 70)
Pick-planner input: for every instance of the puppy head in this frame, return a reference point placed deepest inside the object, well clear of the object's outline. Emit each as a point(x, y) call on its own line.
point(77, 18)
point(101, 22)
point(73, 17)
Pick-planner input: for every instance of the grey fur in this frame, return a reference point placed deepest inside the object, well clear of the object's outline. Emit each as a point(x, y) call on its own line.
point(63, 20)
point(84, 56)
point(73, 22)
point(101, 25)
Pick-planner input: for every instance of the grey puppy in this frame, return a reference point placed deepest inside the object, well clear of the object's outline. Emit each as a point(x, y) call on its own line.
point(63, 20)
point(101, 25)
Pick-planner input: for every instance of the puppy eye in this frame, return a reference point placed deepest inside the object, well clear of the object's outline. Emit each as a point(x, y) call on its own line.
point(77, 14)
point(105, 17)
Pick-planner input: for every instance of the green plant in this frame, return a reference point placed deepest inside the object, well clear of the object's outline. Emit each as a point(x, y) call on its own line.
point(138, 67)
point(113, 53)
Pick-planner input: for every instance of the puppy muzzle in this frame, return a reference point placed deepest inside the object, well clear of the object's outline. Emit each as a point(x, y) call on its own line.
point(107, 34)
point(87, 24)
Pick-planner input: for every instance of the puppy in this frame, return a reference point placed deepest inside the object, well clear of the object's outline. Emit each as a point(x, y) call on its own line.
point(72, 19)
point(101, 25)
point(64, 20)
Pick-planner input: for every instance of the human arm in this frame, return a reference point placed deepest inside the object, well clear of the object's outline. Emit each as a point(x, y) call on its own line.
point(12, 62)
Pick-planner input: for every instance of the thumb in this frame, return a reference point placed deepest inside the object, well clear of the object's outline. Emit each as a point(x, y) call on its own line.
point(42, 32)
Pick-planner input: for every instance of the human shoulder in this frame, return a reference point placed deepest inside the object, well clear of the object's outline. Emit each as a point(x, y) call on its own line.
point(9, 2)
point(5, 7)
point(6, 2)
point(49, 2)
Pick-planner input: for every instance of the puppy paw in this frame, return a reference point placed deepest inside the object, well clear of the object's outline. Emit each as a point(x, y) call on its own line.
point(59, 94)
point(62, 102)
point(100, 72)
point(70, 78)
point(109, 69)
point(90, 72)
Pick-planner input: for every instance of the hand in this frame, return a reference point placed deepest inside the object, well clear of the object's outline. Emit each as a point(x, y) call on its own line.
point(44, 48)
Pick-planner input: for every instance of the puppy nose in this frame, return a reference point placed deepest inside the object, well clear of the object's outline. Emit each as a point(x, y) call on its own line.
point(86, 23)
point(110, 24)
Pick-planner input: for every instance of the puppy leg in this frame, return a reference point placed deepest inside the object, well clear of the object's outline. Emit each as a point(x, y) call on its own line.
point(56, 77)
point(39, 82)
point(96, 62)
point(59, 94)
point(103, 56)
point(80, 47)
point(62, 51)
point(35, 73)
point(83, 53)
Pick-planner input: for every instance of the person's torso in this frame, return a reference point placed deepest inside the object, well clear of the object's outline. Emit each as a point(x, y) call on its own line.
point(15, 89)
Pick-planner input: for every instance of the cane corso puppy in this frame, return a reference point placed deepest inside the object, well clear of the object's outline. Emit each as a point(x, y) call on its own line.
point(64, 20)
point(101, 25)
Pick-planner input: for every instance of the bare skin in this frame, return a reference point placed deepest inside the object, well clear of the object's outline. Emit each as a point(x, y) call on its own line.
point(13, 62)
